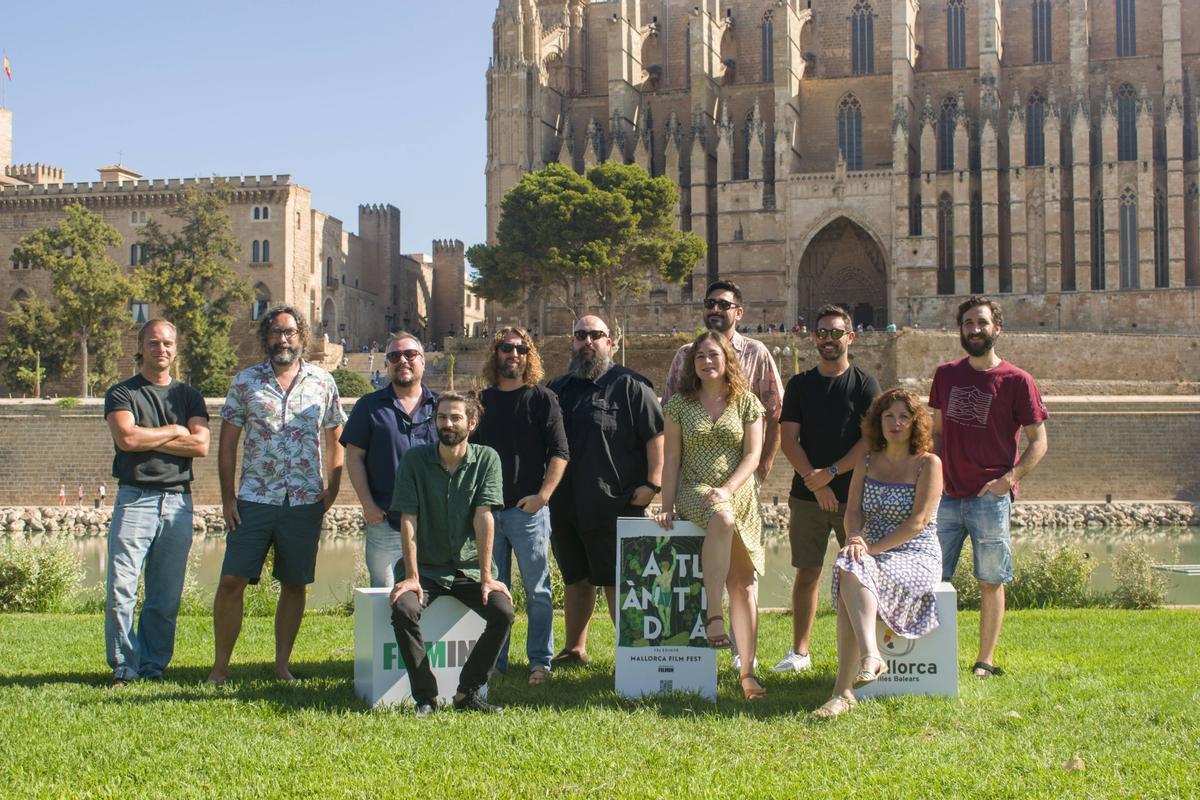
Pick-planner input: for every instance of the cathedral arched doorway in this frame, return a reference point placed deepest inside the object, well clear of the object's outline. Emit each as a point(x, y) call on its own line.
point(329, 319)
point(843, 264)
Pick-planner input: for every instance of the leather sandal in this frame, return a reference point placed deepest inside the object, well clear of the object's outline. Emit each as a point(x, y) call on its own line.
point(538, 676)
point(988, 670)
point(865, 675)
point(754, 692)
point(721, 640)
point(835, 707)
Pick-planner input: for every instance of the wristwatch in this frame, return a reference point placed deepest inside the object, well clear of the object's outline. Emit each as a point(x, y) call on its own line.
point(653, 486)
point(833, 470)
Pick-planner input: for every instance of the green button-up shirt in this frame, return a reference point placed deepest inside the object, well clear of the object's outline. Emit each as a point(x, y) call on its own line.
point(444, 506)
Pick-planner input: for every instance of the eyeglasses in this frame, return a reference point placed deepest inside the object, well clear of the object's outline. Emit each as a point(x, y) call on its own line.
point(830, 333)
point(408, 355)
point(711, 302)
point(595, 336)
point(508, 347)
point(285, 333)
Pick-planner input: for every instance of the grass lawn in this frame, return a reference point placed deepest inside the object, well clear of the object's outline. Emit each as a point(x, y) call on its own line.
point(1115, 688)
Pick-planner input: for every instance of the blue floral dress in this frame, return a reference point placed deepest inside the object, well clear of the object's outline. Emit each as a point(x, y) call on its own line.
point(903, 578)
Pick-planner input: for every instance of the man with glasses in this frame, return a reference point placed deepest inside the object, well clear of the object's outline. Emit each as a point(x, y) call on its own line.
point(614, 428)
point(292, 416)
point(723, 310)
point(822, 440)
point(523, 424)
point(383, 426)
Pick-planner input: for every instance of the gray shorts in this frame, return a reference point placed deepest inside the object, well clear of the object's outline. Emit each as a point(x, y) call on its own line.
point(808, 531)
point(293, 531)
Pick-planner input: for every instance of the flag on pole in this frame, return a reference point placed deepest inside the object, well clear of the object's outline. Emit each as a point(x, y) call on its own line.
point(7, 70)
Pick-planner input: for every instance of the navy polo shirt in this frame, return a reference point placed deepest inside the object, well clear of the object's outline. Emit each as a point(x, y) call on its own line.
point(379, 425)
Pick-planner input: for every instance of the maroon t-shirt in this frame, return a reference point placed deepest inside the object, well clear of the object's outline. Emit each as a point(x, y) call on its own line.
point(982, 416)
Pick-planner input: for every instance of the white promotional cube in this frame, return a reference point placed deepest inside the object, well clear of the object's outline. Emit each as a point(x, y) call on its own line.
point(449, 628)
point(928, 665)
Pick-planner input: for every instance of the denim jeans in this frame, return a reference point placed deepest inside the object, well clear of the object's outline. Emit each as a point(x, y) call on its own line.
point(528, 536)
point(150, 529)
point(384, 549)
point(985, 519)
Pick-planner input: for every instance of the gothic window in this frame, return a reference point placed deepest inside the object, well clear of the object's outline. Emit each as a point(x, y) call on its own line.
point(945, 217)
point(1126, 123)
point(139, 312)
point(1126, 29)
point(687, 54)
point(1098, 241)
point(1042, 48)
point(257, 212)
point(850, 132)
point(768, 47)
point(747, 137)
point(976, 243)
point(946, 134)
point(266, 213)
point(254, 251)
point(133, 255)
point(1035, 134)
point(1129, 244)
point(262, 301)
point(329, 270)
point(266, 251)
point(956, 34)
point(862, 39)
point(914, 216)
point(1162, 268)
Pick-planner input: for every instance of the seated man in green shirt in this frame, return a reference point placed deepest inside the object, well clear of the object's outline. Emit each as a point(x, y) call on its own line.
point(445, 494)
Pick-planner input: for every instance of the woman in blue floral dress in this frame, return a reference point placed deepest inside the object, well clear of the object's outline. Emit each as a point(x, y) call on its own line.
point(892, 560)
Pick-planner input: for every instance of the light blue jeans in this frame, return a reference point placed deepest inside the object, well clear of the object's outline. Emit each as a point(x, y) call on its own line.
point(985, 519)
point(383, 550)
point(528, 536)
point(150, 529)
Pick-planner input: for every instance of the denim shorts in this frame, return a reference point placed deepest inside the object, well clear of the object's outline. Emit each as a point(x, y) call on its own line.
point(985, 520)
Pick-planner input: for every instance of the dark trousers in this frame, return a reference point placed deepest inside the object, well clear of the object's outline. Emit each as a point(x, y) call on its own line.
point(406, 622)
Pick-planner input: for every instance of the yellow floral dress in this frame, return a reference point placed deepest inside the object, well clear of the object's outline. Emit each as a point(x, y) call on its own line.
point(711, 452)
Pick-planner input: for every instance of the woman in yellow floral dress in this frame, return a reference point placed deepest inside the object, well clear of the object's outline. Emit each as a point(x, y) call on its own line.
point(714, 434)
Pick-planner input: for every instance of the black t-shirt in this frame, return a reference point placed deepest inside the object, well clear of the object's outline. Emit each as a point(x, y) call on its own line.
point(152, 407)
point(608, 423)
point(830, 412)
point(525, 427)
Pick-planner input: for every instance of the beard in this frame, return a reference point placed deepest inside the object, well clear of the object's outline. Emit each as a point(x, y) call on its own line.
point(831, 354)
point(404, 383)
point(977, 347)
point(589, 369)
point(510, 371)
point(450, 436)
point(284, 354)
point(720, 324)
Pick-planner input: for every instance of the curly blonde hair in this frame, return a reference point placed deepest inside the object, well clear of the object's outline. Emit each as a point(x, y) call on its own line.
point(534, 372)
point(736, 384)
point(920, 439)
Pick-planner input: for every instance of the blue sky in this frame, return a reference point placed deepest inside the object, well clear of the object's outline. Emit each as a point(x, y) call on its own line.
point(362, 102)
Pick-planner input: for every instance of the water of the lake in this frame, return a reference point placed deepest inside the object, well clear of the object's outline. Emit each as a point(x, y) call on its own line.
point(340, 560)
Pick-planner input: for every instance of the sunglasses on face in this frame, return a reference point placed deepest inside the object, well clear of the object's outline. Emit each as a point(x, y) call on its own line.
point(830, 333)
point(508, 347)
point(408, 355)
point(711, 302)
point(595, 336)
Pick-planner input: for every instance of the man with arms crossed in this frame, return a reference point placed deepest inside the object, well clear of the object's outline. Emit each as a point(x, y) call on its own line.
point(523, 424)
point(445, 494)
point(383, 426)
point(614, 430)
point(822, 410)
point(981, 404)
point(158, 426)
point(292, 416)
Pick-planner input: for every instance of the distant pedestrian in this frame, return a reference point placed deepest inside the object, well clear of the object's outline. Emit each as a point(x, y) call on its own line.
point(62, 494)
point(103, 493)
point(79, 496)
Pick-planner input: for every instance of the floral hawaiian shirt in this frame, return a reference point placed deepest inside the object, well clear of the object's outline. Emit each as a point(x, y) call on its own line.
point(281, 458)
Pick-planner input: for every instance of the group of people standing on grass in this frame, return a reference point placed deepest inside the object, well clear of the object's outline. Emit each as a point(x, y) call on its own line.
point(455, 487)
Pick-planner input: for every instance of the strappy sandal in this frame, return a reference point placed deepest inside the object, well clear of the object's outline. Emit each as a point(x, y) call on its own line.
point(538, 676)
point(988, 670)
point(755, 692)
point(835, 707)
point(865, 675)
point(721, 640)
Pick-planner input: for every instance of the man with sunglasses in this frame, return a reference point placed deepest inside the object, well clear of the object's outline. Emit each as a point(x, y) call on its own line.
point(383, 426)
point(723, 310)
point(822, 440)
point(614, 428)
point(523, 424)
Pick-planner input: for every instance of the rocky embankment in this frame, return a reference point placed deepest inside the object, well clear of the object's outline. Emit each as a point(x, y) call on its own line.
point(347, 520)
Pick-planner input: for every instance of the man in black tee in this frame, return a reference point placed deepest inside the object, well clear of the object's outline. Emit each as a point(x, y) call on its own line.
point(822, 411)
point(158, 426)
point(614, 428)
point(523, 424)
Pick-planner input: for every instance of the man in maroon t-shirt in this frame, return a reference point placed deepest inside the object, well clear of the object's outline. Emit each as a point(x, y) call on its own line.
point(981, 404)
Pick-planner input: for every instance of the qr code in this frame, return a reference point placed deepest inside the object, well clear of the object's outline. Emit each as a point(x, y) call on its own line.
point(666, 686)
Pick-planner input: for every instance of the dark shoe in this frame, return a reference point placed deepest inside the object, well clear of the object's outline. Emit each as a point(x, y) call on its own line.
point(471, 701)
point(425, 709)
point(117, 683)
point(568, 659)
point(988, 669)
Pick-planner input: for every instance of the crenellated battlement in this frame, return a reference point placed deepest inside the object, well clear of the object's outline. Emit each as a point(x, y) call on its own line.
point(447, 246)
point(36, 173)
point(366, 209)
point(133, 187)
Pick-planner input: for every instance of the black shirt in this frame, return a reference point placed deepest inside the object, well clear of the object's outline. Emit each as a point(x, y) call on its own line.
point(525, 426)
point(153, 407)
point(830, 412)
point(608, 423)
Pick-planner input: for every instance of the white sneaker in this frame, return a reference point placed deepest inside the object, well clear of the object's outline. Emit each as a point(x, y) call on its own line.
point(737, 663)
point(793, 662)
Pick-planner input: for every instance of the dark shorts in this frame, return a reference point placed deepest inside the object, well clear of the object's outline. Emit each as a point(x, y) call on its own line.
point(293, 531)
point(585, 545)
point(808, 531)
